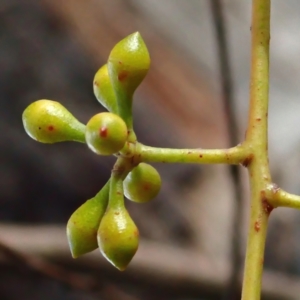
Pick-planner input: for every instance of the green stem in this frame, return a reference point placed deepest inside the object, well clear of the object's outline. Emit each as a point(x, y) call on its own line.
point(235, 155)
point(125, 112)
point(103, 193)
point(280, 198)
point(129, 150)
point(120, 170)
point(116, 198)
point(257, 142)
point(79, 132)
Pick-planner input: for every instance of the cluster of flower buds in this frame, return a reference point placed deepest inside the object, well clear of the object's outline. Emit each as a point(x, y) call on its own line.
point(103, 221)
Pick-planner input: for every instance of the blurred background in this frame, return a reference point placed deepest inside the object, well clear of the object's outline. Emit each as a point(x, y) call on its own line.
point(52, 49)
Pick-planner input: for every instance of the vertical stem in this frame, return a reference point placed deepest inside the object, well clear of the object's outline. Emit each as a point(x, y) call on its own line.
point(259, 84)
point(257, 142)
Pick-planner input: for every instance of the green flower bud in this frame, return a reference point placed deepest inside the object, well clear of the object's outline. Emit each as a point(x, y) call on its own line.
point(106, 133)
point(118, 237)
point(128, 64)
point(142, 184)
point(83, 225)
point(48, 121)
point(103, 90)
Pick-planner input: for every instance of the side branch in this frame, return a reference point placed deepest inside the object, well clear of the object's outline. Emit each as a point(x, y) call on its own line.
point(235, 155)
point(280, 198)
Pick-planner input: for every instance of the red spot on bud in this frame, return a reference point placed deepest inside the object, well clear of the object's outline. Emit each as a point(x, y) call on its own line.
point(146, 187)
point(50, 127)
point(103, 132)
point(96, 83)
point(122, 75)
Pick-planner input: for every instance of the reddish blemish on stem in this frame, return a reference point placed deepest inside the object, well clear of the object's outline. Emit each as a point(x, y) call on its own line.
point(122, 75)
point(257, 226)
point(258, 119)
point(200, 155)
point(103, 132)
point(266, 205)
point(118, 170)
point(50, 127)
point(227, 156)
point(96, 83)
point(247, 160)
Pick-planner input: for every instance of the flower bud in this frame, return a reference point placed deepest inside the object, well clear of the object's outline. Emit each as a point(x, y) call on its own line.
point(103, 90)
point(83, 225)
point(47, 121)
point(118, 237)
point(128, 64)
point(106, 133)
point(142, 184)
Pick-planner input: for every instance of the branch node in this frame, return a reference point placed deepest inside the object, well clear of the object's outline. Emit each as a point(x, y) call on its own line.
point(247, 161)
point(267, 207)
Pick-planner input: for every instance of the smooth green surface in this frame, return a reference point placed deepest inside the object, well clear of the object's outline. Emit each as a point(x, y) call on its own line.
point(106, 133)
point(47, 121)
point(118, 237)
point(83, 225)
point(257, 141)
point(103, 90)
point(142, 184)
point(128, 64)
